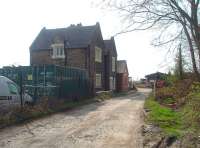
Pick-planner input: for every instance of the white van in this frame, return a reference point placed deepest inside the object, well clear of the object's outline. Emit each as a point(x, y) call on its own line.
point(10, 94)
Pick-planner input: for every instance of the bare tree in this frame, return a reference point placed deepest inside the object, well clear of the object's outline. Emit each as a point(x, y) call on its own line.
point(170, 17)
point(179, 63)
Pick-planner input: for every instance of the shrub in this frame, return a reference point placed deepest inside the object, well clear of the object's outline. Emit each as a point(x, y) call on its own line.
point(178, 91)
point(170, 80)
point(104, 95)
point(44, 107)
point(182, 88)
point(165, 92)
point(191, 109)
point(168, 101)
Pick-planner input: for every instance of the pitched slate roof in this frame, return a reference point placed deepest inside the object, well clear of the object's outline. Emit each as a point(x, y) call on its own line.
point(122, 66)
point(110, 45)
point(74, 37)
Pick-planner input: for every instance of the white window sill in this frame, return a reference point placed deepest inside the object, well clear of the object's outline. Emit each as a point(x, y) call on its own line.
point(58, 57)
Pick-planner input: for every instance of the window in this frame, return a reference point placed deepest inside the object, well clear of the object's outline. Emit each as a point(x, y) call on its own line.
point(12, 88)
point(58, 51)
point(112, 83)
point(98, 80)
point(98, 54)
point(113, 64)
point(30, 77)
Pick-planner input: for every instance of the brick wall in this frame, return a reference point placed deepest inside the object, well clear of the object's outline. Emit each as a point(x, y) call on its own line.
point(76, 58)
point(40, 57)
point(122, 82)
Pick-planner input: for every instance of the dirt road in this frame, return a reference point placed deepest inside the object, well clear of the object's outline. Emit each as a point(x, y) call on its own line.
point(113, 123)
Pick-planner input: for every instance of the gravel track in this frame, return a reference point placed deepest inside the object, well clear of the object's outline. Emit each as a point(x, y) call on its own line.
point(114, 123)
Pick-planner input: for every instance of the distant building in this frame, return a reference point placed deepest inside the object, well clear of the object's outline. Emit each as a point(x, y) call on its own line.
point(155, 76)
point(122, 76)
point(131, 84)
point(143, 81)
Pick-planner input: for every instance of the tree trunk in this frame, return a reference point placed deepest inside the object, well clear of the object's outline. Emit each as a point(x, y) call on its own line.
point(191, 52)
point(194, 26)
point(180, 63)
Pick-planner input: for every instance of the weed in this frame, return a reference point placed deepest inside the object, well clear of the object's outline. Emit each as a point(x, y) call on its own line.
point(166, 118)
point(44, 108)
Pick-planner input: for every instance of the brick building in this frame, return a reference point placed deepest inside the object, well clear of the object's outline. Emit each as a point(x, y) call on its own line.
point(110, 64)
point(76, 46)
point(122, 76)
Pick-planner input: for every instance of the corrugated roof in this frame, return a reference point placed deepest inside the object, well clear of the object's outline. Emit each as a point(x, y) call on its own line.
point(74, 37)
point(157, 75)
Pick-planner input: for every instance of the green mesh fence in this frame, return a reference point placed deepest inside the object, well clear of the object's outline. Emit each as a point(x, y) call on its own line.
point(50, 80)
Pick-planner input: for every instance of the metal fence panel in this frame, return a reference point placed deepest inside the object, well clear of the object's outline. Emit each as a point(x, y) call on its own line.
point(50, 80)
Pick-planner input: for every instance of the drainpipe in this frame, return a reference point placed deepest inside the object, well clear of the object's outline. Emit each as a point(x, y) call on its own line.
point(21, 85)
point(65, 52)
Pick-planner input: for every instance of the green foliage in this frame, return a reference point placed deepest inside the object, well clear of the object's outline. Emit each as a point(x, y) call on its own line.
point(171, 79)
point(168, 101)
point(166, 118)
point(195, 88)
point(185, 94)
point(165, 92)
point(182, 88)
point(191, 110)
point(44, 108)
point(178, 91)
point(104, 95)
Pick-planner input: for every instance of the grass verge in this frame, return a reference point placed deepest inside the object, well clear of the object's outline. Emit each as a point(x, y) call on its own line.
point(167, 119)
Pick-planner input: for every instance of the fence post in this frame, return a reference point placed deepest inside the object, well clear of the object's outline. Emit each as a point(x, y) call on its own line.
point(44, 81)
point(21, 87)
point(35, 82)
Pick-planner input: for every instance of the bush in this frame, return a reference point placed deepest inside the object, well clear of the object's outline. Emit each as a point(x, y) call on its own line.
point(182, 88)
point(191, 110)
point(165, 92)
point(44, 107)
point(178, 91)
point(104, 95)
point(168, 101)
point(170, 80)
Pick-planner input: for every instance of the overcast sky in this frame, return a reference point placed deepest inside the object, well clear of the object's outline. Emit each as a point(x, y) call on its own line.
point(21, 21)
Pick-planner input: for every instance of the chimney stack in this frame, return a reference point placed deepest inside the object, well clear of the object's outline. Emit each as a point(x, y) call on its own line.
point(79, 24)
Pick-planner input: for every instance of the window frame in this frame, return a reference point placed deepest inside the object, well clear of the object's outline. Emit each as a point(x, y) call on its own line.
point(113, 64)
point(112, 82)
point(98, 54)
point(99, 84)
point(58, 51)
